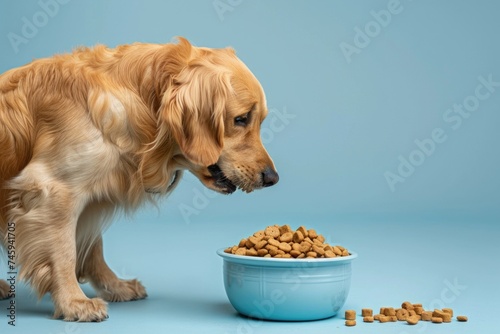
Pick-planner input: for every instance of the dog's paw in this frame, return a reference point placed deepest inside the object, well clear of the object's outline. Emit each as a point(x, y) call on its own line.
point(123, 290)
point(4, 289)
point(83, 310)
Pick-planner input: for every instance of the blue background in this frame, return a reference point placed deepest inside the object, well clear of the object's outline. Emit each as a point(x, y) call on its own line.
point(342, 122)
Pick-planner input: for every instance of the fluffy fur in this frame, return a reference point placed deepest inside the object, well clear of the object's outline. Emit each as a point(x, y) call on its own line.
point(87, 133)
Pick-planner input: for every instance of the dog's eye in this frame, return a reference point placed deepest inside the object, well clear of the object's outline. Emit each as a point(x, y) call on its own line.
point(241, 120)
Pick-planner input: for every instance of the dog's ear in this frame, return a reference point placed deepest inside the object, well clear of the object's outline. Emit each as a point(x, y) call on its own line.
point(193, 111)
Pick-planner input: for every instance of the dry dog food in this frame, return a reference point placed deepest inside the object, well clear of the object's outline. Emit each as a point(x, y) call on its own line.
point(350, 315)
point(413, 320)
point(437, 320)
point(426, 315)
point(389, 311)
point(282, 242)
point(409, 312)
point(350, 322)
point(448, 310)
point(384, 318)
point(402, 314)
point(367, 312)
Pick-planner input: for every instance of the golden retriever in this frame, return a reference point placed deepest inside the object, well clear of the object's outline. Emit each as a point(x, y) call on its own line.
point(98, 130)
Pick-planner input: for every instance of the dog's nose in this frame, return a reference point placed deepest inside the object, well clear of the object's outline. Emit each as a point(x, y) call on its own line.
point(269, 177)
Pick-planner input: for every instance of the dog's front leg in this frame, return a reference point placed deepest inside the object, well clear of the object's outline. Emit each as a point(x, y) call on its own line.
point(91, 266)
point(45, 212)
point(105, 281)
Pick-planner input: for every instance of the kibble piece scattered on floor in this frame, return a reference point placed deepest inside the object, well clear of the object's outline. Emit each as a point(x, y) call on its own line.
point(350, 315)
point(350, 323)
point(367, 312)
point(448, 310)
point(437, 320)
point(384, 318)
point(426, 315)
point(402, 314)
point(446, 317)
point(437, 313)
point(411, 313)
point(407, 306)
point(389, 311)
point(413, 320)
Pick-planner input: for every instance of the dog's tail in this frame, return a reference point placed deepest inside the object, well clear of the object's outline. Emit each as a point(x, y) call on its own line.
point(16, 138)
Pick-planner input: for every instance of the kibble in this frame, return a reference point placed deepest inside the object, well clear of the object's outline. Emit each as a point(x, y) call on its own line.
point(446, 317)
point(303, 231)
point(251, 252)
point(241, 251)
point(410, 313)
point(272, 231)
point(384, 318)
point(350, 315)
point(402, 314)
point(282, 242)
point(389, 311)
point(437, 320)
point(285, 247)
point(286, 237)
point(367, 312)
point(350, 323)
point(407, 306)
point(262, 252)
point(426, 316)
point(285, 229)
point(448, 310)
point(413, 320)
point(312, 234)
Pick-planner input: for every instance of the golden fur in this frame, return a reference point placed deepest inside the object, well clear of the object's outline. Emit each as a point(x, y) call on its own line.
point(87, 133)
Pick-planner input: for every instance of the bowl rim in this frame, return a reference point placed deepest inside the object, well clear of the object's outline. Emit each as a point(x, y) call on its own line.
point(283, 262)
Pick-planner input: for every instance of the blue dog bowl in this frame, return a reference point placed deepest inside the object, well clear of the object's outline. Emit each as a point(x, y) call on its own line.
point(286, 289)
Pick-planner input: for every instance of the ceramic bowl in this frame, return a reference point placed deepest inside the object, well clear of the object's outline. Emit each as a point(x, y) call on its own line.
point(286, 289)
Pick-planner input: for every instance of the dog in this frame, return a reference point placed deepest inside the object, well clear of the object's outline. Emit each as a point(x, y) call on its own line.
point(85, 134)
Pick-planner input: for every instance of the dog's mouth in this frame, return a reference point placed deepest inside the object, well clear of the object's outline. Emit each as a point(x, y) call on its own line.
point(220, 180)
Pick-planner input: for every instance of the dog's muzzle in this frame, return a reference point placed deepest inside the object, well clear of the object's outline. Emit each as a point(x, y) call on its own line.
point(221, 181)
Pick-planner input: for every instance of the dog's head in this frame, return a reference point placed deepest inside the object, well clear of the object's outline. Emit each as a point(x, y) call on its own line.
point(214, 108)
